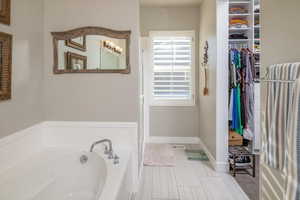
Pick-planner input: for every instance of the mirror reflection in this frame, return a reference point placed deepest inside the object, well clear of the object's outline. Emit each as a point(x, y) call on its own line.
point(92, 52)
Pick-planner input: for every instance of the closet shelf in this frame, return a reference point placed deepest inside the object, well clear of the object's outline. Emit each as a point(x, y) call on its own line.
point(239, 29)
point(240, 14)
point(239, 2)
point(239, 40)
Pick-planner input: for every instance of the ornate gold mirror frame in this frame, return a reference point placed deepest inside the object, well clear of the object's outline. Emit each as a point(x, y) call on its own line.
point(84, 31)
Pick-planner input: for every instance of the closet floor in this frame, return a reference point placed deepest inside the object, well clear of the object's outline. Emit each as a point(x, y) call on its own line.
point(188, 180)
point(249, 184)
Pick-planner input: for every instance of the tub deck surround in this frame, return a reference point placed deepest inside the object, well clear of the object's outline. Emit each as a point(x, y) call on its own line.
point(57, 173)
point(54, 174)
point(55, 143)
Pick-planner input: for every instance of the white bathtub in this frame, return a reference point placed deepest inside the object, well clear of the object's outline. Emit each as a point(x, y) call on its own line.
point(54, 172)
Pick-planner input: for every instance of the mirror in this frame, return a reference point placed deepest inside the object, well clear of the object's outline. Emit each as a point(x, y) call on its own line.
point(91, 50)
point(5, 66)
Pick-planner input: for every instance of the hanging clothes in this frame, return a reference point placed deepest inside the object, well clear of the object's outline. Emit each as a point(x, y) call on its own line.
point(241, 80)
point(235, 79)
point(236, 124)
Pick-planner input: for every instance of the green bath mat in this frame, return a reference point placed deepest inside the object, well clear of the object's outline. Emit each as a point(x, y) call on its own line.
point(196, 155)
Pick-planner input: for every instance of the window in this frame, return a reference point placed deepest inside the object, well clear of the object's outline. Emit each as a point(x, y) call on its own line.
point(173, 70)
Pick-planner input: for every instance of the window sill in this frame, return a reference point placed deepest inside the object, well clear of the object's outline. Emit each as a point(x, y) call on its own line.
point(172, 104)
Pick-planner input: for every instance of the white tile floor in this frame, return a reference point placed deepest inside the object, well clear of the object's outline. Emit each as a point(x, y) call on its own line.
point(188, 180)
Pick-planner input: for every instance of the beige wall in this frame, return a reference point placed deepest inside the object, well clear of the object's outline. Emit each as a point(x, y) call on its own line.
point(280, 44)
point(173, 121)
point(280, 34)
point(168, 19)
point(207, 104)
point(25, 107)
point(91, 97)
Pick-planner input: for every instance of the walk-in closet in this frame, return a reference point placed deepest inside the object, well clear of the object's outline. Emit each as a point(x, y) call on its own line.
point(244, 93)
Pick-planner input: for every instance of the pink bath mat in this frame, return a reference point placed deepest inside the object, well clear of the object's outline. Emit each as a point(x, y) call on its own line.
point(159, 155)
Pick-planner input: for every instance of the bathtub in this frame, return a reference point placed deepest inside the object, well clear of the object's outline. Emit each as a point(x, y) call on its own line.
point(54, 172)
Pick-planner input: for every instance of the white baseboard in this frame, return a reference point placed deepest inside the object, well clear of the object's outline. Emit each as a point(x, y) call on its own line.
point(218, 166)
point(221, 167)
point(174, 140)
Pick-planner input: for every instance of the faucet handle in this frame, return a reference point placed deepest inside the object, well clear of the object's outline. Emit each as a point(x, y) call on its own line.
point(110, 154)
point(116, 159)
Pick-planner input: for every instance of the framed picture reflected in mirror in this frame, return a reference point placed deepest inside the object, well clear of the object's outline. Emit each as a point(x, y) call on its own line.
point(77, 43)
point(75, 61)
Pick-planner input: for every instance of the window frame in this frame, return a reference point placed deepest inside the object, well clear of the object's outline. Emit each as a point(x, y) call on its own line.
point(170, 102)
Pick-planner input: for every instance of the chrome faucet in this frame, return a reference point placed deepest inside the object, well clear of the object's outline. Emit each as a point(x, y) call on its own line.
point(108, 150)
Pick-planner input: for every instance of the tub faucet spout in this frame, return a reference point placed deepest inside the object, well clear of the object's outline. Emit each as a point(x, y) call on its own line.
point(110, 149)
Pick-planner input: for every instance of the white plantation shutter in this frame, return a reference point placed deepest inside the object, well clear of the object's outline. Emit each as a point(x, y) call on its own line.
point(172, 68)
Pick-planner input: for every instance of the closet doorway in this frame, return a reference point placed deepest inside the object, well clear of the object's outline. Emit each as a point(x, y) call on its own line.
point(244, 94)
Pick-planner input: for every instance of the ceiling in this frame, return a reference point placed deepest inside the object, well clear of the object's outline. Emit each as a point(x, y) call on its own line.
point(170, 2)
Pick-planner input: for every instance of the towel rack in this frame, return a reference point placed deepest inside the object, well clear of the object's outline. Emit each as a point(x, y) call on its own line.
point(264, 79)
point(277, 81)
